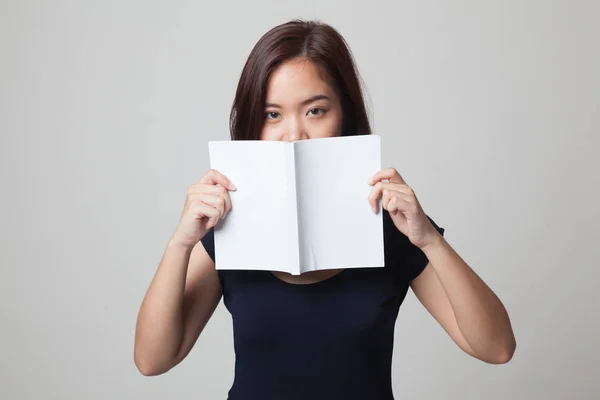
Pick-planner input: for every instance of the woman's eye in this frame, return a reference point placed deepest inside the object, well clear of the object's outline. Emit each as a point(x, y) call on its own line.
point(271, 115)
point(316, 111)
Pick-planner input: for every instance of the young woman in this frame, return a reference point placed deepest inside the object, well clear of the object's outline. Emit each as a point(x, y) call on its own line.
point(324, 334)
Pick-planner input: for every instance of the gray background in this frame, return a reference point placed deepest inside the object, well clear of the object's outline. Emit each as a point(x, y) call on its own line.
point(489, 109)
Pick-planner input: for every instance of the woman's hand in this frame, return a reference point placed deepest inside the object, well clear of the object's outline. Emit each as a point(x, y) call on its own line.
point(404, 208)
point(207, 202)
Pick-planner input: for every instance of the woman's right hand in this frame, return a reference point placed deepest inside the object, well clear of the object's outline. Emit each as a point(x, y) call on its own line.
point(207, 202)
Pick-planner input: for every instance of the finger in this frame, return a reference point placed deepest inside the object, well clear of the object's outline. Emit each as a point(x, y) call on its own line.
point(389, 173)
point(217, 202)
point(375, 194)
point(391, 196)
point(200, 187)
point(394, 206)
point(390, 190)
point(214, 177)
point(217, 191)
point(378, 189)
point(201, 210)
point(403, 188)
point(398, 187)
point(394, 202)
point(200, 190)
point(224, 194)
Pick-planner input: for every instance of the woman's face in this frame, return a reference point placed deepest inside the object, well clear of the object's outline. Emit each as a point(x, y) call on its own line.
point(300, 104)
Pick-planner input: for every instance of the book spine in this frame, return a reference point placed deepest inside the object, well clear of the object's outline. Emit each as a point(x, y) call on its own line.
point(294, 240)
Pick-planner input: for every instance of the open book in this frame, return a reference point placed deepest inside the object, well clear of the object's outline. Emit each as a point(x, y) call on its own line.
point(299, 206)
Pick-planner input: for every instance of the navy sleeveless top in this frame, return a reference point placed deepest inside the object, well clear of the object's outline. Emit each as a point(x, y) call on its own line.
point(327, 340)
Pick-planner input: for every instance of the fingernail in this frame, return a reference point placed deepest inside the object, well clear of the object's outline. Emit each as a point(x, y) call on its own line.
point(232, 186)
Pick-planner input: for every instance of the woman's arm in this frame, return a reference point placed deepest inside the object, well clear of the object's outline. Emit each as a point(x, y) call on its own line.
point(464, 305)
point(179, 302)
point(452, 292)
point(185, 289)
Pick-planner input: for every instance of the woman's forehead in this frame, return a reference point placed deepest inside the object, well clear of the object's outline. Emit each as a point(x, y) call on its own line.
point(297, 80)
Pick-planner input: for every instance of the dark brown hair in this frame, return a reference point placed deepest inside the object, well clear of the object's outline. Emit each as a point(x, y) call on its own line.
point(314, 41)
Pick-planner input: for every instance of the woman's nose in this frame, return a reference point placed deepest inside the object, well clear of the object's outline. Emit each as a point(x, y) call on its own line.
point(295, 131)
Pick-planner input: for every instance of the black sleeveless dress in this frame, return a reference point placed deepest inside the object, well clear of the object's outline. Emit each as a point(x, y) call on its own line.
point(328, 340)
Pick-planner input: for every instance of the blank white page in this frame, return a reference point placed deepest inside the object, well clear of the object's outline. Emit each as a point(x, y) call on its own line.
point(260, 232)
point(337, 227)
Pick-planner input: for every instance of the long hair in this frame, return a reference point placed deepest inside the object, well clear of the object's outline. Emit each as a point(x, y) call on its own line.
point(314, 41)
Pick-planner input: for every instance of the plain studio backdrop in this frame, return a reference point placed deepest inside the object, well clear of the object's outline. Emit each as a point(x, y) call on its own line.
point(489, 109)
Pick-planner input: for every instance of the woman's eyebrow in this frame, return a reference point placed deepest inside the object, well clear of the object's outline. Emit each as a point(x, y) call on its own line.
point(305, 102)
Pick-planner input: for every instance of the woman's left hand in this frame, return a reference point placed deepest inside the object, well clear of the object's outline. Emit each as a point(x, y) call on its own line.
point(404, 208)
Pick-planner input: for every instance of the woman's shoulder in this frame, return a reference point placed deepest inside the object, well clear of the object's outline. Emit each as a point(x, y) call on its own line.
point(400, 253)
